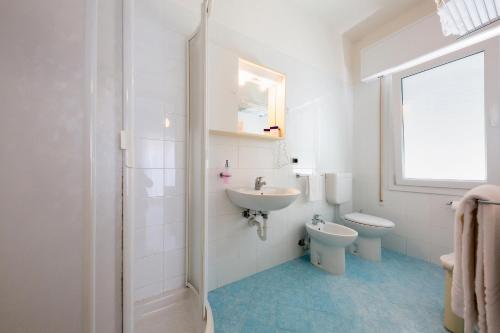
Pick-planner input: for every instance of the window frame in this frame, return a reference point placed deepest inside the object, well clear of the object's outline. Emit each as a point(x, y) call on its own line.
point(491, 103)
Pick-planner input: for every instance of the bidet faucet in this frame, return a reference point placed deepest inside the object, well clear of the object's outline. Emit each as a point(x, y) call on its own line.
point(317, 219)
point(259, 183)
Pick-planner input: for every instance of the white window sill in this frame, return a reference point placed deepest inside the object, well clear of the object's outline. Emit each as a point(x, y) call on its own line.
point(428, 190)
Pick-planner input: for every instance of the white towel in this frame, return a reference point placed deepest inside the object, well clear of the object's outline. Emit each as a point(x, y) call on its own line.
point(313, 187)
point(476, 275)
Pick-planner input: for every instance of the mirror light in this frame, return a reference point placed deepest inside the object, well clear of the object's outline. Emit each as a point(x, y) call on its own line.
point(263, 83)
point(167, 123)
point(244, 77)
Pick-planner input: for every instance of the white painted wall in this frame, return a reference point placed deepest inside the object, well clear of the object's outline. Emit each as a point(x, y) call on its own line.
point(318, 133)
point(285, 28)
point(410, 42)
point(44, 193)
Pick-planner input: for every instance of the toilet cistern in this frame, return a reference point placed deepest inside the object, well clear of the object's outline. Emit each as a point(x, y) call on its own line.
point(338, 188)
point(259, 183)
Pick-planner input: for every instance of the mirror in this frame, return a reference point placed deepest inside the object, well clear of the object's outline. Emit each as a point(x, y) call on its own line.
point(261, 100)
point(252, 108)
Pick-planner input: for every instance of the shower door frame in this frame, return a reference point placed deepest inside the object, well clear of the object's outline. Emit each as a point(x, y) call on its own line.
point(126, 145)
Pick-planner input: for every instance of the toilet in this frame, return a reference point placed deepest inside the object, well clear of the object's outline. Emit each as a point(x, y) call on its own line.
point(328, 243)
point(338, 187)
point(370, 229)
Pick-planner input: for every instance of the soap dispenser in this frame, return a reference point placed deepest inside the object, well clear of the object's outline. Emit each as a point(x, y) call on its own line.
point(225, 175)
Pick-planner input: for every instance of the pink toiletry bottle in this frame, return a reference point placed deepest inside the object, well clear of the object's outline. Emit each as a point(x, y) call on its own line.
point(225, 175)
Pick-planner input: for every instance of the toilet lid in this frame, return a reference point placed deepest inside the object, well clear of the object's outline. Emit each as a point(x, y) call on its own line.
point(369, 220)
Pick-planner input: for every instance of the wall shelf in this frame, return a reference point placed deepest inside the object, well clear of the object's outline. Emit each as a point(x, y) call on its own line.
point(245, 135)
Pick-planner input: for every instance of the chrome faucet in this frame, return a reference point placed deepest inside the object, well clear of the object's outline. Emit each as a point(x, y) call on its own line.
point(317, 219)
point(259, 183)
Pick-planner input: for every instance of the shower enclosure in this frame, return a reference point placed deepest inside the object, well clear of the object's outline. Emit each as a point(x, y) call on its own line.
point(164, 142)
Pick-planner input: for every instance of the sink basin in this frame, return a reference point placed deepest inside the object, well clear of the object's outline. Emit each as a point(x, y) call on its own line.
point(265, 199)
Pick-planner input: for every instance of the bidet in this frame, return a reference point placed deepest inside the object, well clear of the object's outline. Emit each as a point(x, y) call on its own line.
point(328, 243)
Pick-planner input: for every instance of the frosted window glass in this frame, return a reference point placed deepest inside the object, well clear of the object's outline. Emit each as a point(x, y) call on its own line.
point(443, 122)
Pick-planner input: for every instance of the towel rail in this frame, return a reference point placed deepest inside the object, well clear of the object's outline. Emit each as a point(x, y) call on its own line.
point(300, 175)
point(485, 202)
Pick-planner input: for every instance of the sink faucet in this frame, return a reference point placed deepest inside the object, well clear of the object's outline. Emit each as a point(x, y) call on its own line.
point(317, 219)
point(259, 183)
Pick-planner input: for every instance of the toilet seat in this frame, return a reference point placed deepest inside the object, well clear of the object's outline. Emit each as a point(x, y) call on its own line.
point(369, 220)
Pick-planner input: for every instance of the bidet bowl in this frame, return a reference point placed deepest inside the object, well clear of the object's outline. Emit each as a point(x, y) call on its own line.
point(332, 234)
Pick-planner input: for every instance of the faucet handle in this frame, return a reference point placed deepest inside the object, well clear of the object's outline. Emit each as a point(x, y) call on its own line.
point(317, 217)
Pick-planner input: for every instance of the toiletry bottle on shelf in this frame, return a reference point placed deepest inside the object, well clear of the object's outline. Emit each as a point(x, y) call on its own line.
point(225, 175)
point(275, 131)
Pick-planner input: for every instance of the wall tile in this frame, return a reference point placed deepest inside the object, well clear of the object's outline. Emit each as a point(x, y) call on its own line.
point(442, 216)
point(170, 154)
point(148, 291)
point(436, 251)
point(219, 153)
point(175, 154)
point(255, 157)
point(148, 241)
point(148, 153)
point(442, 237)
point(148, 211)
point(224, 206)
point(180, 132)
point(213, 229)
point(418, 215)
point(148, 183)
point(175, 101)
point(418, 248)
point(171, 132)
point(175, 209)
point(175, 283)
point(148, 270)
point(394, 242)
point(211, 272)
point(174, 263)
point(174, 238)
point(174, 181)
point(149, 119)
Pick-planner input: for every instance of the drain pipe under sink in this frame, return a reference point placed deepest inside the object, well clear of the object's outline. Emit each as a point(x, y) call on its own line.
point(261, 224)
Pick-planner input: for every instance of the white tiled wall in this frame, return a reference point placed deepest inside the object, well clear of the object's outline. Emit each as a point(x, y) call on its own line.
point(159, 154)
point(318, 133)
point(424, 223)
point(235, 251)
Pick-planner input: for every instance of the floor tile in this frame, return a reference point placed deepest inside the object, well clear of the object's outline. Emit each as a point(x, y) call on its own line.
point(398, 294)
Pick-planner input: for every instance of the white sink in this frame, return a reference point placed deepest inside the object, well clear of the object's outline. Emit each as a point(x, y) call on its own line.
point(265, 199)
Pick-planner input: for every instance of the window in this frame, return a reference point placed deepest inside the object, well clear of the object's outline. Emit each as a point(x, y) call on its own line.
point(443, 122)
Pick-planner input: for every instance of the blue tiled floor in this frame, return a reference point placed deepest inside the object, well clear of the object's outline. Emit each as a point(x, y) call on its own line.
point(399, 294)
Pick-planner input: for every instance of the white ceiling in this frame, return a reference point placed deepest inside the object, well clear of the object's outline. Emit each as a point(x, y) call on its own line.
point(342, 15)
